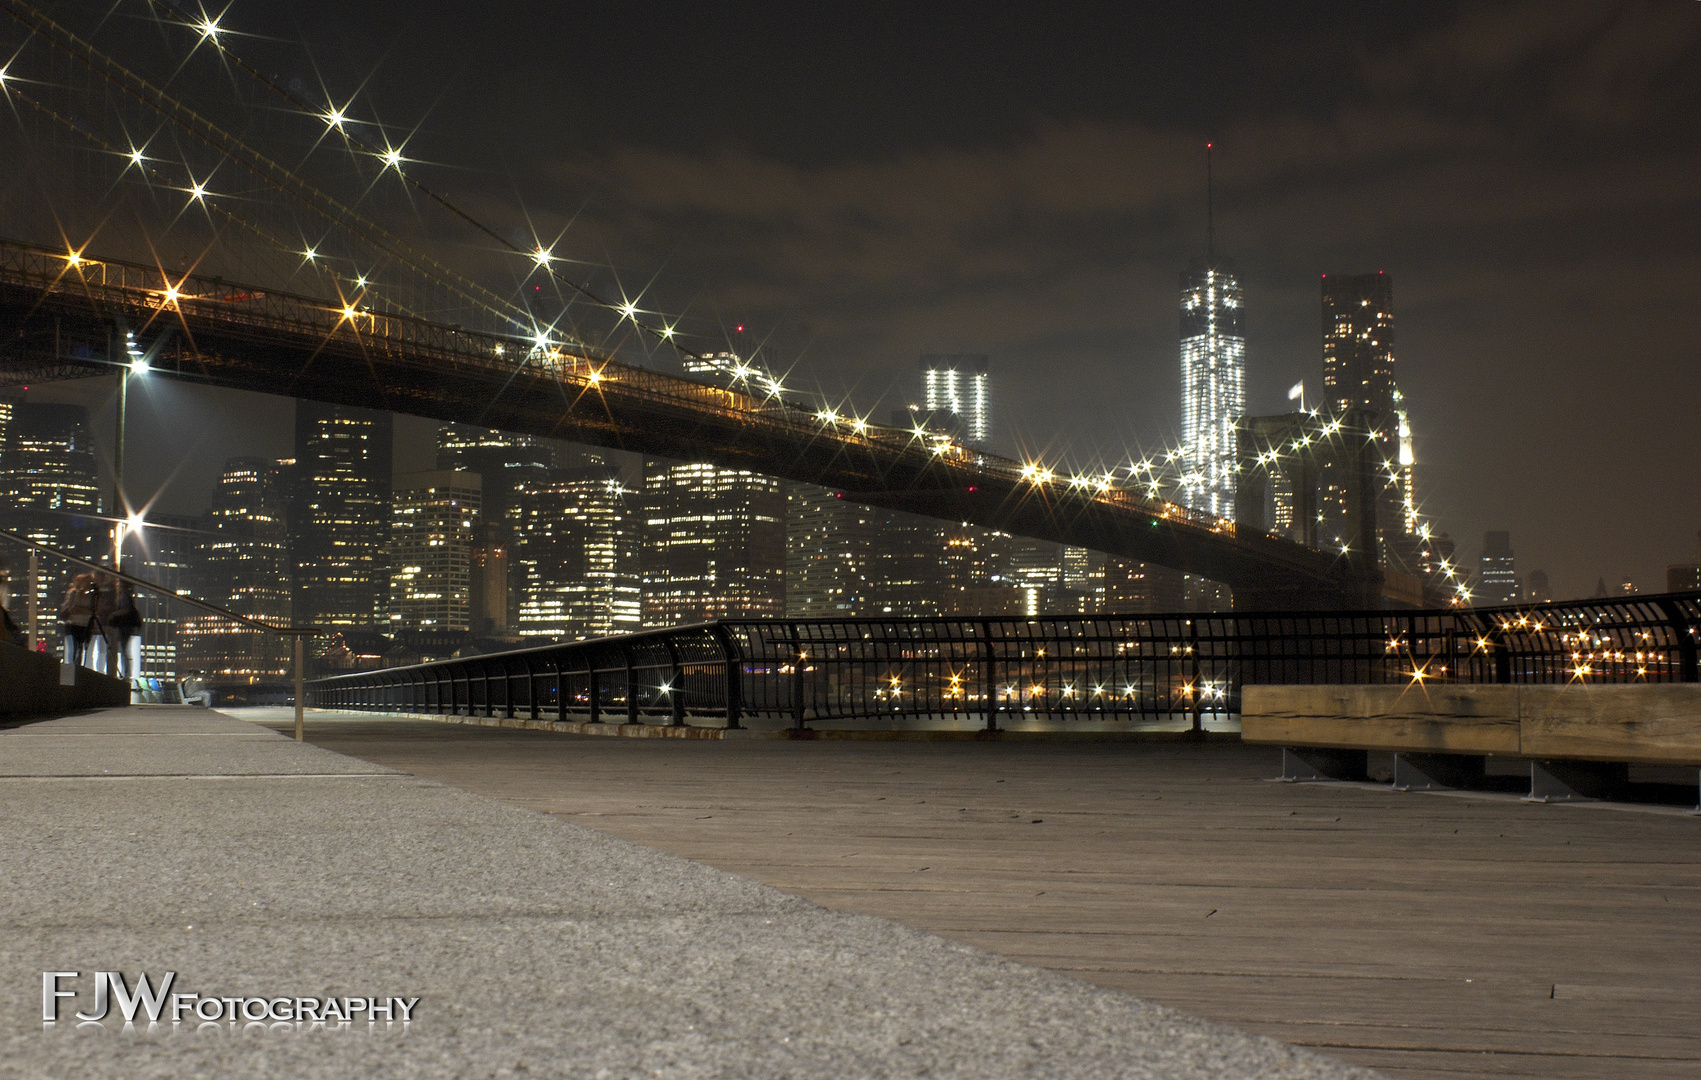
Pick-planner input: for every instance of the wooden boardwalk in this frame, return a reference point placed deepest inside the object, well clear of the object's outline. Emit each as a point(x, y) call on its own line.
point(1426, 935)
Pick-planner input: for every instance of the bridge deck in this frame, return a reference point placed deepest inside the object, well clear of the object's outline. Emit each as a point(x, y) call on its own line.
point(157, 838)
point(1428, 936)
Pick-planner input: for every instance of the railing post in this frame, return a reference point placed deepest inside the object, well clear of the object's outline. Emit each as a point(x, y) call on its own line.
point(676, 686)
point(1193, 677)
point(300, 687)
point(990, 678)
point(34, 584)
point(734, 687)
point(1689, 664)
point(631, 687)
point(797, 658)
point(560, 694)
point(594, 680)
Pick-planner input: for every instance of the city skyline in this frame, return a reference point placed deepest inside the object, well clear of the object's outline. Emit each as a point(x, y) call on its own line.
point(1503, 329)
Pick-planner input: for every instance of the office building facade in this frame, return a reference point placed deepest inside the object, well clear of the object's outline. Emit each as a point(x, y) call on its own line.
point(1497, 574)
point(1213, 383)
point(433, 521)
point(50, 492)
point(578, 546)
point(340, 516)
point(830, 544)
point(714, 543)
point(958, 385)
point(246, 562)
point(1360, 388)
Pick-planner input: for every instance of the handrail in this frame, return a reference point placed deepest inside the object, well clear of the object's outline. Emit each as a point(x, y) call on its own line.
point(1068, 666)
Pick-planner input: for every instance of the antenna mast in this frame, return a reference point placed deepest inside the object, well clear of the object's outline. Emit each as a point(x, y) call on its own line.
point(1210, 219)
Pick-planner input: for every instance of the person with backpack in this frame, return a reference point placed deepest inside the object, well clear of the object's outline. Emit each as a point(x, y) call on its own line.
point(76, 614)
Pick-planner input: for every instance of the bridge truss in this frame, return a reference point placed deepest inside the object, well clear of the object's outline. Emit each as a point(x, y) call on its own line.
point(68, 310)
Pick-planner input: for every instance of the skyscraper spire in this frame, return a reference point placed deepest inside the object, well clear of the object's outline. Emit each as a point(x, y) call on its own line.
point(1213, 369)
point(1210, 218)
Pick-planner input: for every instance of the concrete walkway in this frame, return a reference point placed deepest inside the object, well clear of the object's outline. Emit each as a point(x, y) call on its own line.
point(160, 839)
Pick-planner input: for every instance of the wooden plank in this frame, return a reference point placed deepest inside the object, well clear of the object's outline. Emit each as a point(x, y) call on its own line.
point(1426, 936)
point(1646, 724)
point(1439, 719)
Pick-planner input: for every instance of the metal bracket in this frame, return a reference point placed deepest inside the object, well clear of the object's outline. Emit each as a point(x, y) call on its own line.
point(1574, 781)
point(1318, 763)
point(1436, 772)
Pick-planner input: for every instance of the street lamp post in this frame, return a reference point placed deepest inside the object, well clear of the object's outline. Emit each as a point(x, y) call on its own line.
point(135, 363)
point(120, 511)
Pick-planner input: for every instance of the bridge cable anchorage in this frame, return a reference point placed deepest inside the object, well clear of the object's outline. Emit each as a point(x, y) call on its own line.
point(267, 170)
point(664, 333)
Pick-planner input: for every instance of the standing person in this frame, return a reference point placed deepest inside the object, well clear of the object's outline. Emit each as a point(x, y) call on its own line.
point(9, 629)
point(75, 614)
point(123, 624)
point(105, 601)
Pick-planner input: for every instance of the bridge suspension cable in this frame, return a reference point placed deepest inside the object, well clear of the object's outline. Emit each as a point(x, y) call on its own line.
point(391, 159)
point(214, 207)
point(268, 171)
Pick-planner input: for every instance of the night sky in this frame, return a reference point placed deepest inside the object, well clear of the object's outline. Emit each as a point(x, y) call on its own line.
point(859, 184)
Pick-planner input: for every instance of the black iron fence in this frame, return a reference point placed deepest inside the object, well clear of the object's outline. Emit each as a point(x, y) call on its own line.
point(1108, 668)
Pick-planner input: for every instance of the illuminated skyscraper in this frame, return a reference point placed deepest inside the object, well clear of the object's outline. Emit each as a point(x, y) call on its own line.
point(1358, 342)
point(50, 460)
point(1213, 382)
point(830, 542)
point(340, 515)
point(1497, 580)
point(505, 460)
point(577, 551)
point(1358, 375)
point(714, 543)
point(50, 490)
point(1137, 588)
point(957, 384)
point(247, 567)
point(432, 525)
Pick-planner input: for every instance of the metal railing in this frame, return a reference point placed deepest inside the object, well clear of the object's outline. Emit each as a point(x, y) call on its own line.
point(1106, 668)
